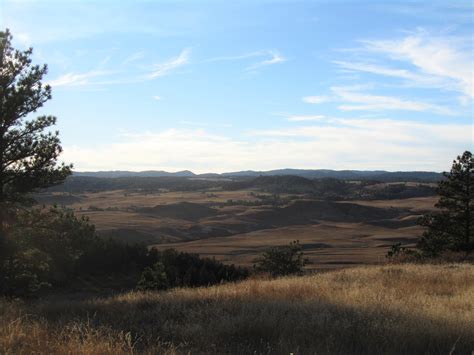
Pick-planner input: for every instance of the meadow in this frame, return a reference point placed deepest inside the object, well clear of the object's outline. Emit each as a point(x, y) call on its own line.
point(391, 309)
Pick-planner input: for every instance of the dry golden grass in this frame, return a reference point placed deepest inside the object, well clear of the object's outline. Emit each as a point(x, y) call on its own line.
point(395, 309)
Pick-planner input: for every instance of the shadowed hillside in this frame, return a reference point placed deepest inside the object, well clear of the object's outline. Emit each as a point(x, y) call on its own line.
point(370, 310)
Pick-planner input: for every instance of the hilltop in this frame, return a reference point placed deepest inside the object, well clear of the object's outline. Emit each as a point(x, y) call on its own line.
point(380, 175)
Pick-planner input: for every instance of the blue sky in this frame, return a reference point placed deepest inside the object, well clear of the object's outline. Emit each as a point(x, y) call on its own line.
point(221, 86)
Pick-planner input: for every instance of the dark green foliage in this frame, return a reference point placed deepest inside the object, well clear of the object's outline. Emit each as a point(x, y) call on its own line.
point(153, 278)
point(184, 269)
point(52, 248)
point(282, 260)
point(452, 227)
point(28, 151)
point(43, 248)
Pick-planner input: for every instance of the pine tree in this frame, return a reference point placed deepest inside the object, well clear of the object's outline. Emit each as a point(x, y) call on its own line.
point(28, 150)
point(452, 227)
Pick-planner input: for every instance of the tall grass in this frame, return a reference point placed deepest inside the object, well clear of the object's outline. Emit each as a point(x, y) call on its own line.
point(395, 309)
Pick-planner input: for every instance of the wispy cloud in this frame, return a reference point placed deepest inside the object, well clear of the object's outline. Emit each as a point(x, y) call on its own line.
point(444, 62)
point(355, 100)
point(118, 75)
point(272, 57)
point(238, 57)
point(275, 58)
point(134, 57)
point(77, 79)
point(316, 99)
point(157, 98)
point(302, 118)
point(168, 66)
point(382, 70)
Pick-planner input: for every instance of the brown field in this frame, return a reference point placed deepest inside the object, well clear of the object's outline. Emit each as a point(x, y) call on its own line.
point(394, 309)
point(238, 233)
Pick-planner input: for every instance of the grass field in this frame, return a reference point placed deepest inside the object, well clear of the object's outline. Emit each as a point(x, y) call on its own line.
point(394, 309)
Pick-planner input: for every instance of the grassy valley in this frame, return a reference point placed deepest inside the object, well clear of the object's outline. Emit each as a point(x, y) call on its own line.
point(338, 222)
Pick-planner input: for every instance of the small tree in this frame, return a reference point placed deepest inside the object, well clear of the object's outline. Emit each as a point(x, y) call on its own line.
point(282, 260)
point(153, 278)
point(452, 227)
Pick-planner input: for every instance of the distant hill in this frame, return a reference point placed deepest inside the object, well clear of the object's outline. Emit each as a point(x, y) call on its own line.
point(379, 175)
point(147, 173)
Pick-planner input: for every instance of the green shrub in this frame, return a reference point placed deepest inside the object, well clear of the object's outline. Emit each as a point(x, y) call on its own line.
point(153, 278)
point(282, 260)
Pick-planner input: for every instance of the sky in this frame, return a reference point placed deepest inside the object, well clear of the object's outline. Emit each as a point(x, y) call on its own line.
point(219, 86)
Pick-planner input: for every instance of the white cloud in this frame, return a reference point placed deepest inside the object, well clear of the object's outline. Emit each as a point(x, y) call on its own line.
point(120, 76)
point(275, 58)
point(134, 57)
point(76, 79)
point(339, 144)
point(361, 101)
point(446, 61)
point(157, 98)
point(238, 57)
point(166, 67)
point(302, 118)
point(316, 99)
point(382, 70)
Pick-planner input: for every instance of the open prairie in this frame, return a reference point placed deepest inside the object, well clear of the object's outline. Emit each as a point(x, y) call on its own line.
point(237, 225)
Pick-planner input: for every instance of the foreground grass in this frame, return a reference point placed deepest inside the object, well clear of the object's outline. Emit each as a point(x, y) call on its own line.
point(407, 309)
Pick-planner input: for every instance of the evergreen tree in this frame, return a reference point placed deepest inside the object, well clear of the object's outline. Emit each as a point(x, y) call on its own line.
point(452, 228)
point(28, 150)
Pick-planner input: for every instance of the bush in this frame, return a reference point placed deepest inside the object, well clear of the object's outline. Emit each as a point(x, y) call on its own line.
point(43, 247)
point(282, 260)
point(400, 254)
point(153, 278)
point(190, 270)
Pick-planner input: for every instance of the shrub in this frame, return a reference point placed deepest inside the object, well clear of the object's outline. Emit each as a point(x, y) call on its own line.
point(399, 254)
point(282, 260)
point(153, 278)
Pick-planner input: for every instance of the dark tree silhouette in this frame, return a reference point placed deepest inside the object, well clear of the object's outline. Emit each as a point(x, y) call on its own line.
point(28, 150)
point(452, 227)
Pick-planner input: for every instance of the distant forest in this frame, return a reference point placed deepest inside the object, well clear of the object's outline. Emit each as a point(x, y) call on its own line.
point(378, 175)
point(323, 188)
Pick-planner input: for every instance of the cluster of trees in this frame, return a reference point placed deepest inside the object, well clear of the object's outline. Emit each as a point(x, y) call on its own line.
point(52, 248)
